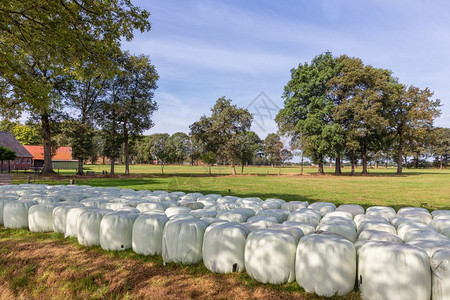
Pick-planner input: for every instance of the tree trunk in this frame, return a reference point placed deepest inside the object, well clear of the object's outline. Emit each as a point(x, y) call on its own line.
point(127, 151)
point(242, 168)
point(209, 169)
point(353, 162)
point(331, 162)
point(46, 139)
point(320, 170)
point(2, 166)
point(364, 157)
point(441, 162)
point(9, 166)
point(400, 159)
point(416, 163)
point(279, 170)
point(406, 161)
point(80, 167)
point(376, 161)
point(337, 169)
point(234, 169)
point(162, 169)
point(301, 166)
point(103, 159)
point(112, 166)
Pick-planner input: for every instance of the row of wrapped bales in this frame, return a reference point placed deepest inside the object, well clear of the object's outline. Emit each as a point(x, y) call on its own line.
point(326, 249)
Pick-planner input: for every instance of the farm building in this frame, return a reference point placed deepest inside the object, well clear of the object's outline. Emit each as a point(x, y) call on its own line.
point(62, 159)
point(24, 158)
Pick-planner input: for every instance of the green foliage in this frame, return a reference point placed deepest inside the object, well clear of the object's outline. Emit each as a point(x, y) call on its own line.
point(273, 148)
point(27, 135)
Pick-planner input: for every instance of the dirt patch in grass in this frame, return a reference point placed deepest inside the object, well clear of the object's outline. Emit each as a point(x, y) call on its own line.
point(46, 266)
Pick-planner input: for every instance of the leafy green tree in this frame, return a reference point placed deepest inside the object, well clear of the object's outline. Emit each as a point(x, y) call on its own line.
point(132, 94)
point(195, 149)
point(411, 113)
point(250, 145)
point(27, 135)
point(220, 132)
point(43, 43)
point(440, 146)
point(308, 108)
point(112, 137)
point(181, 144)
point(8, 155)
point(8, 126)
point(272, 148)
point(163, 149)
point(81, 138)
point(361, 97)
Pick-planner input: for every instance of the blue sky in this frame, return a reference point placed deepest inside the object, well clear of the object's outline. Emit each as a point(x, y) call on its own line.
point(207, 49)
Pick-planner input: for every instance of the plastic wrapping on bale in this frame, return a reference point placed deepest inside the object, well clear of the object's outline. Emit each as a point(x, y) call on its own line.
point(116, 231)
point(296, 232)
point(193, 205)
point(112, 205)
point(177, 210)
point(326, 265)
point(270, 256)
point(147, 234)
point(351, 208)
point(435, 213)
point(2, 205)
point(393, 271)
point(361, 218)
point(387, 213)
point(47, 199)
point(203, 213)
point(182, 241)
point(272, 203)
point(376, 235)
point(440, 224)
point(270, 213)
point(306, 215)
point(40, 217)
point(423, 234)
point(88, 228)
point(15, 213)
point(430, 246)
point(236, 217)
point(424, 217)
point(323, 207)
point(294, 205)
point(213, 220)
point(440, 266)
point(396, 222)
point(446, 232)
point(376, 225)
point(346, 231)
point(223, 248)
point(72, 220)
point(341, 214)
point(151, 206)
point(405, 227)
point(247, 211)
point(92, 202)
point(306, 228)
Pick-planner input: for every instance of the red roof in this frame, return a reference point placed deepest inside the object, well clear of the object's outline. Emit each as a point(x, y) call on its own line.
point(62, 153)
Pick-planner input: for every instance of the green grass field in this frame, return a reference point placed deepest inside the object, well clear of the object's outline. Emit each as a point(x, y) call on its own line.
point(429, 188)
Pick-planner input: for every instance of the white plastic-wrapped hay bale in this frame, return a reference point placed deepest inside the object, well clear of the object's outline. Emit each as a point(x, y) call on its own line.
point(266, 221)
point(177, 210)
point(210, 221)
point(376, 235)
point(424, 217)
point(344, 230)
point(253, 206)
point(72, 220)
point(407, 210)
point(60, 216)
point(182, 241)
point(151, 206)
point(272, 203)
point(440, 212)
point(147, 234)
point(112, 205)
point(40, 217)
point(376, 225)
point(223, 247)
point(396, 222)
point(351, 208)
point(323, 207)
point(325, 265)
point(294, 205)
point(258, 225)
point(387, 213)
point(129, 209)
point(440, 265)
point(393, 271)
point(88, 228)
point(203, 213)
point(340, 214)
point(47, 199)
point(446, 232)
point(358, 219)
point(93, 202)
point(440, 223)
point(406, 227)
point(247, 211)
point(236, 217)
point(306, 215)
point(423, 234)
point(296, 232)
point(430, 246)
point(306, 228)
point(270, 256)
point(270, 213)
point(337, 220)
point(116, 230)
point(15, 213)
point(193, 205)
point(2, 205)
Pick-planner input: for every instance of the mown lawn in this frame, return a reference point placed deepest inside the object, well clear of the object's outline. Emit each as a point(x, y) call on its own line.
point(429, 188)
